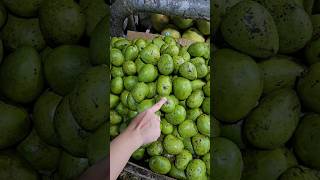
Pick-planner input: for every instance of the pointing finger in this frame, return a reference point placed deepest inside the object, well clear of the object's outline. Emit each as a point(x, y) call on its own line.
point(158, 105)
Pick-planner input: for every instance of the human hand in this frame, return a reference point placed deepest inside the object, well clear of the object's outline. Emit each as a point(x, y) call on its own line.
point(147, 124)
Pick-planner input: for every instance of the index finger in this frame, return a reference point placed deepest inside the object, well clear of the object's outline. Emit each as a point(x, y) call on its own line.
point(158, 105)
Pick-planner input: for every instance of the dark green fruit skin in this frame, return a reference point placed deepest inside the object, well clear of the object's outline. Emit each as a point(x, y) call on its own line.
point(196, 169)
point(160, 164)
point(63, 66)
point(183, 159)
point(21, 75)
point(274, 121)
point(14, 167)
point(234, 132)
point(266, 165)
point(201, 144)
point(289, 14)
point(25, 8)
point(71, 167)
point(307, 141)
point(237, 82)
point(43, 116)
point(15, 122)
point(226, 160)
point(315, 19)
point(298, 173)
point(138, 154)
point(99, 40)
point(89, 100)
point(40, 155)
point(97, 144)
point(279, 72)
point(309, 87)
point(71, 136)
point(55, 27)
point(250, 28)
point(312, 52)
point(14, 33)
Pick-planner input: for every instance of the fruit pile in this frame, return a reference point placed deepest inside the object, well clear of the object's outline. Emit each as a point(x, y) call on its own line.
point(53, 107)
point(142, 72)
point(266, 90)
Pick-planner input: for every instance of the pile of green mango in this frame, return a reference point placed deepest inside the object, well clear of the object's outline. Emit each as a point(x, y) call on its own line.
point(144, 71)
point(266, 89)
point(178, 27)
point(53, 84)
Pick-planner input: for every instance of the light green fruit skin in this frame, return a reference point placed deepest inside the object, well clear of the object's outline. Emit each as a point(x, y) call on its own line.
point(169, 106)
point(206, 160)
point(178, 61)
point(183, 159)
point(206, 89)
point(115, 118)
point(16, 123)
point(172, 144)
point(159, 164)
point(176, 173)
point(197, 84)
point(56, 28)
point(279, 72)
point(40, 155)
point(97, 144)
point(148, 73)
point(166, 128)
point(199, 49)
point(279, 111)
point(132, 104)
point(129, 82)
point(171, 32)
point(312, 52)
point(172, 50)
point(71, 136)
point(193, 114)
point(139, 92)
point(91, 85)
point(226, 160)
point(182, 88)
point(193, 36)
point(63, 66)
point(308, 89)
point(21, 75)
point(155, 148)
point(152, 89)
point(230, 66)
point(202, 70)
point(164, 85)
point(306, 140)
point(206, 105)
point(122, 110)
point(196, 169)
point(138, 154)
point(145, 104)
point(262, 45)
point(195, 99)
point(203, 26)
point(165, 64)
point(201, 144)
point(24, 8)
point(187, 129)
point(298, 173)
point(15, 168)
point(129, 68)
point(184, 53)
point(117, 72)
point(124, 97)
point(158, 41)
point(116, 57)
point(14, 33)
point(131, 53)
point(150, 54)
point(71, 167)
point(177, 116)
point(271, 163)
point(116, 85)
point(114, 131)
point(43, 116)
point(203, 124)
point(188, 70)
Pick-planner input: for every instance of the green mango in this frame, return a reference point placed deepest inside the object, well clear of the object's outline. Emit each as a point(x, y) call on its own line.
point(227, 160)
point(308, 88)
point(129, 82)
point(132, 114)
point(193, 114)
point(193, 36)
point(159, 21)
point(97, 144)
point(114, 130)
point(43, 116)
point(115, 118)
point(203, 26)
point(234, 132)
point(195, 99)
point(116, 57)
point(257, 36)
point(140, 91)
point(169, 106)
point(183, 159)
point(124, 97)
point(184, 53)
point(176, 173)
point(145, 104)
point(121, 43)
point(266, 164)
point(206, 89)
point(187, 129)
point(182, 88)
point(122, 109)
point(71, 167)
point(139, 64)
point(177, 62)
point(14, 167)
point(197, 60)
point(3, 15)
point(188, 70)
point(279, 112)
point(164, 85)
point(117, 72)
point(150, 54)
point(129, 68)
point(71, 136)
point(99, 40)
point(140, 43)
point(197, 84)
point(188, 145)
point(196, 169)
point(312, 52)
point(177, 116)
point(138, 154)
point(131, 53)
point(132, 104)
point(116, 85)
point(229, 66)
point(203, 124)
point(298, 173)
point(15, 122)
point(199, 49)
point(56, 28)
point(63, 66)
point(148, 73)
point(172, 144)
point(159, 164)
point(182, 23)
point(165, 64)
point(155, 148)
point(14, 33)
point(172, 50)
point(171, 32)
point(39, 154)
point(166, 128)
point(21, 75)
point(206, 160)
point(206, 105)
point(306, 140)
point(201, 144)
point(152, 89)
point(202, 70)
